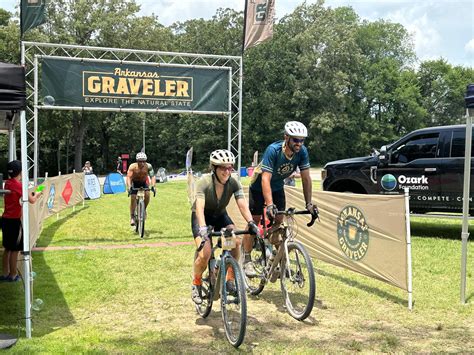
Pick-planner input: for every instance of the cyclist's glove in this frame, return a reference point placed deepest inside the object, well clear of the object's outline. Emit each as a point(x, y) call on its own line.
point(204, 233)
point(271, 211)
point(252, 228)
point(312, 209)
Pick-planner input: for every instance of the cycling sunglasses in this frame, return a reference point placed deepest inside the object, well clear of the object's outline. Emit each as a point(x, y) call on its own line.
point(226, 168)
point(297, 140)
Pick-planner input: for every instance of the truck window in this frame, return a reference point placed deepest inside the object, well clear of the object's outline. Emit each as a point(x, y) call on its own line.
point(458, 145)
point(421, 146)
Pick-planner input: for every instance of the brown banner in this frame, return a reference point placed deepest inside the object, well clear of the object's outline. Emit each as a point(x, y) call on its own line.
point(59, 193)
point(362, 233)
point(258, 21)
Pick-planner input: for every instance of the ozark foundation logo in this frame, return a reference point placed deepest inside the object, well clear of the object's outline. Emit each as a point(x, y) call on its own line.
point(353, 233)
point(389, 182)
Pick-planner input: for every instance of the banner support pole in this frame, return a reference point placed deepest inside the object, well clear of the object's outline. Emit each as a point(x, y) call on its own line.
point(465, 205)
point(26, 224)
point(409, 264)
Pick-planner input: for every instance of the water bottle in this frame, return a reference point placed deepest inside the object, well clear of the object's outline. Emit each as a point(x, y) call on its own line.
point(268, 250)
point(270, 256)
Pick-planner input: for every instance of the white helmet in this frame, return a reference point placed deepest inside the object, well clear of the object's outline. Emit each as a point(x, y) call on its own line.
point(141, 156)
point(296, 129)
point(222, 157)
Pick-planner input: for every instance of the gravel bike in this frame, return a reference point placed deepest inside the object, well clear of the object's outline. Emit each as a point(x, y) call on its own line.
point(140, 211)
point(214, 286)
point(276, 254)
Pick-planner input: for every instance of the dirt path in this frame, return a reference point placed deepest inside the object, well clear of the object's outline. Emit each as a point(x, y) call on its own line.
point(117, 246)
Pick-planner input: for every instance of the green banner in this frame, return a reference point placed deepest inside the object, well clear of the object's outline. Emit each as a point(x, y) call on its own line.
point(33, 13)
point(138, 86)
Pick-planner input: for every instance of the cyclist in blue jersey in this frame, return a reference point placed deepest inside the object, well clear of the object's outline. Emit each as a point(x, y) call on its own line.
point(279, 161)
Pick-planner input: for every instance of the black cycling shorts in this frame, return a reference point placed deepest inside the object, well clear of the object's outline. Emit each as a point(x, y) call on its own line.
point(137, 185)
point(256, 201)
point(218, 222)
point(12, 234)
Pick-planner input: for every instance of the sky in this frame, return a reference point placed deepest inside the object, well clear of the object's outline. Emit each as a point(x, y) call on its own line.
point(440, 28)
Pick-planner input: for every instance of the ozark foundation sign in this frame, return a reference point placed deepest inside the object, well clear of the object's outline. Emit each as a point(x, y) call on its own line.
point(106, 84)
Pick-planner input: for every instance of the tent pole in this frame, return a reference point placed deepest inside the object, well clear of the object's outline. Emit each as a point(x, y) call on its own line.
point(35, 124)
point(409, 265)
point(26, 225)
point(25, 211)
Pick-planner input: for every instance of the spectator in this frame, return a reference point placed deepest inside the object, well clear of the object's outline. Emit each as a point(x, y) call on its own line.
point(87, 169)
point(11, 221)
point(119, 165)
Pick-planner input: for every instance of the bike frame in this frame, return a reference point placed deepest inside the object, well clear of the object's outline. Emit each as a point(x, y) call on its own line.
point(220, 270)
point(139, 196)
point(282, 253)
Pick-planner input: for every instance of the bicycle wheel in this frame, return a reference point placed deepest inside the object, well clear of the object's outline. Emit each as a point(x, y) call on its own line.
point(234, 305)
point(298, 282)
point(136, 216)
point(205, 307)
point(141, 218)
point(255, 284)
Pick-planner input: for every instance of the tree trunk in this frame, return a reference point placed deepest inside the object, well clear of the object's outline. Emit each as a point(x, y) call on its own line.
point(79, 124)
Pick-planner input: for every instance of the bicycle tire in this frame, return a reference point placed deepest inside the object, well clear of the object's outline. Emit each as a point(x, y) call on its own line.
point(141, 224)
point(235, 334)
point(299, 306)
point(136, 214)
point(255, 285)
point(204, 309)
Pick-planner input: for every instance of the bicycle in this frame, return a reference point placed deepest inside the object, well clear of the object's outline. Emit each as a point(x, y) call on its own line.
point(214, 286)
point(140, 211)
point(290, 262)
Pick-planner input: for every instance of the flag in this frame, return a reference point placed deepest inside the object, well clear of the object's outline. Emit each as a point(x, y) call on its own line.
point(33, 14)
point(189, 158)
point(255, 158)
point(258, 22)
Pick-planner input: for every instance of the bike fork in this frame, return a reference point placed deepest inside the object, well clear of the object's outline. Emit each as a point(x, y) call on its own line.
point(285, 245)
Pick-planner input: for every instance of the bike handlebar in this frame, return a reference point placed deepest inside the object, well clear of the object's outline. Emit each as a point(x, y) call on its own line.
point(228, 232)
point(142, 188)
point(224, 232)
point(292, 211)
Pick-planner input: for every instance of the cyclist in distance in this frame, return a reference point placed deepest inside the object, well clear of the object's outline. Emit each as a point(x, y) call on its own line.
point(279, 161)
point(213, 194)
point(139, 174)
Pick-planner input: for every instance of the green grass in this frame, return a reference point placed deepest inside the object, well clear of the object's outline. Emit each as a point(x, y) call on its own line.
point(138, 300)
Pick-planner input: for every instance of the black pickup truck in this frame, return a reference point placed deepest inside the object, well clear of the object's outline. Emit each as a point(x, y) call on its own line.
point(429, 161)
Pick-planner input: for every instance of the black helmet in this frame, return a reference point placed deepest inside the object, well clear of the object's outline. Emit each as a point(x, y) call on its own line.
point(14, 168)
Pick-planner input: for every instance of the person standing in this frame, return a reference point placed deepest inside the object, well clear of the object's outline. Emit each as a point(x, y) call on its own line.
point(87, 169)
point(12, 230)
point(119, 165)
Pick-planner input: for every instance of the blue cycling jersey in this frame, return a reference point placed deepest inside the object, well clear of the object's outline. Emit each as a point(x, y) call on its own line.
point(279, 165)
